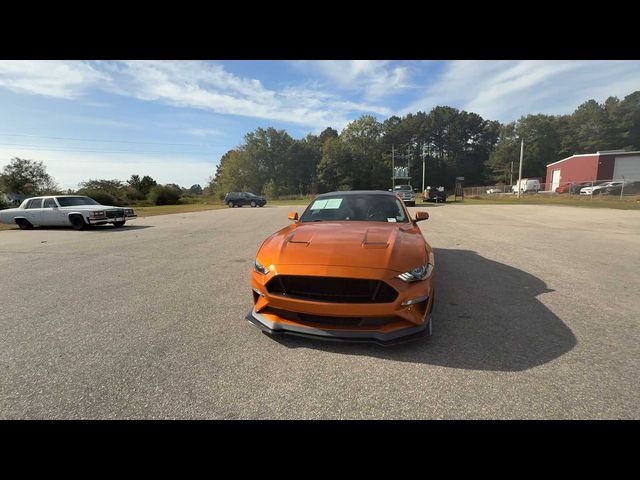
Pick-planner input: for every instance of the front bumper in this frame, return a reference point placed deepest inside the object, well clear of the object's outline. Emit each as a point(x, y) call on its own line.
point(105, 220)
point(382, 323)
point(352, 336)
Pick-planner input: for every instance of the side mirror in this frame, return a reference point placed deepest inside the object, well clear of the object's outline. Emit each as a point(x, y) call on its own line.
point(293, 216)
point(421, 216)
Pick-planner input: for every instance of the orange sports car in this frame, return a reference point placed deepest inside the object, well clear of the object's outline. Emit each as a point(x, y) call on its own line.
point(355, 266)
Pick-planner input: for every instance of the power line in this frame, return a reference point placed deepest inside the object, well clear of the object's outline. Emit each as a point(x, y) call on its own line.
point(114, 141)
point(42, 148)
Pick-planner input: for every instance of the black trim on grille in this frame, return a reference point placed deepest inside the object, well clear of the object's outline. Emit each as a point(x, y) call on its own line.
point(115, 213)
point(332, 289)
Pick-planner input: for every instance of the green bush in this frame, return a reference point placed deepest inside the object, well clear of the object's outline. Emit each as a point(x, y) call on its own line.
point(133, 195)
point(164, 195)
point(3, 204)
point(99, 196)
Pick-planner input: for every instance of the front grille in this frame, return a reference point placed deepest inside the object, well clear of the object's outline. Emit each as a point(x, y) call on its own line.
point(332, 289)
point(115, 213)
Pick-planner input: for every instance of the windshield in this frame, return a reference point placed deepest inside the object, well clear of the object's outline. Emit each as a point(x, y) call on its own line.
point(75, 201)
point(365, 207)
point(404, 187)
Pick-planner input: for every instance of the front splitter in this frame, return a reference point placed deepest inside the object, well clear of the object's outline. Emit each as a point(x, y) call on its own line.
point(353, 336)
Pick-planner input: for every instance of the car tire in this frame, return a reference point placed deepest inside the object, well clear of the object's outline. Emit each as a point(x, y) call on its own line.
point(231, 205)
point(77, 222)
point(253, 204)
point(118, 224)
point(24, 224)
point(261, 205)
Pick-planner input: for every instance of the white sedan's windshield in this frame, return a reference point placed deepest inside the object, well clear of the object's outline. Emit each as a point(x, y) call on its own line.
point(76, 201)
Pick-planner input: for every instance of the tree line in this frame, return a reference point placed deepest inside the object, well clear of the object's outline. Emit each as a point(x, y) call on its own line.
point(30, 178)
point(452, 142)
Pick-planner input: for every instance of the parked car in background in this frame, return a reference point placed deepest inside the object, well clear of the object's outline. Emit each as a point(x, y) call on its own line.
point(597, 189)
point(630, 188)
point(406, 193)
point(491, 191)
point(436, 195)
point(238, 199)
point(527, 185)
point(576, 187)
point(75, 211)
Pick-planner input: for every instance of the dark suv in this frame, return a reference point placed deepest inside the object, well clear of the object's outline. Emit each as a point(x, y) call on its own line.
point(238, 199)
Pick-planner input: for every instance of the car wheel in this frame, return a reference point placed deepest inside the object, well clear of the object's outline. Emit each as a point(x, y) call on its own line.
point(24, 224)
point(77, 222)
point(261, 205)
point(118, 224)
point(231, 205)
point(253, 204)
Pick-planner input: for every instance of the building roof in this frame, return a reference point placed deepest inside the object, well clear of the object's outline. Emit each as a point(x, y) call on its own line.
point(617, 153)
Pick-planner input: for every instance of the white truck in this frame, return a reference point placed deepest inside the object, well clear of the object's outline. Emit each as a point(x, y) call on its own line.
point(65, 210)
point(527, 185)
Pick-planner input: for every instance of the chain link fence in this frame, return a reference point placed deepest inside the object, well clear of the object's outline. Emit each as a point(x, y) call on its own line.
point(620, 188)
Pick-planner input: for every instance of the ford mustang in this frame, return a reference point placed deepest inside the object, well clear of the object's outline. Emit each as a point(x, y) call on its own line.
point(353, 267)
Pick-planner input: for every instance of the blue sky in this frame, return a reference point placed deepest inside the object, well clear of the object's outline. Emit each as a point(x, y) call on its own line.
point(173, 120)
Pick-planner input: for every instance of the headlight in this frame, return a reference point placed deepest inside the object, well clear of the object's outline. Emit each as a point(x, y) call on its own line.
point(260, 268)
point(98, 214)
point(421, 273)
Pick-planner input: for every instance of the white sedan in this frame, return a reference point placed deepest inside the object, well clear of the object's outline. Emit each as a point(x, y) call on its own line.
point(594, 190)
point(65, 210)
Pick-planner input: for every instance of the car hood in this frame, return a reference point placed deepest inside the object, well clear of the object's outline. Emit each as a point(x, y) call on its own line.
point(90, 208)
point(393, 246)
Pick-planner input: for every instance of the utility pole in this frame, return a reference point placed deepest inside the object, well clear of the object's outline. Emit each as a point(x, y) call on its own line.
point(423, 155)
point(511, 177)
point(520, 174)
point(393, 169)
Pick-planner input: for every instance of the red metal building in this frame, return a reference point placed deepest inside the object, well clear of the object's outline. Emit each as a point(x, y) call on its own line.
point(606, 165)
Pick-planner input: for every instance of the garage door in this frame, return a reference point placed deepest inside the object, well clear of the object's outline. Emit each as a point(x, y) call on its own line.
point(627, 167)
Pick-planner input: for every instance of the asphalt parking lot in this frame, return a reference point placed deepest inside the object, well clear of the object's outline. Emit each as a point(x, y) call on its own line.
point(537, 316)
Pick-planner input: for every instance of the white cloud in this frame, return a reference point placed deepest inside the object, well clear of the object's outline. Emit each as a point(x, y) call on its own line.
point(192, 84)
point(374, 78)
point(54, 78)
point(210, 87)
point(505, 90)
point(202, 132)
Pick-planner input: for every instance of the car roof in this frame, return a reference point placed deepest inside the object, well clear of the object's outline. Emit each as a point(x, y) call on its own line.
point(358, 192)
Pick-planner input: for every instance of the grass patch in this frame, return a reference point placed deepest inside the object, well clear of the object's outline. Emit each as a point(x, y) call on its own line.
point(631, 203)
point(5, 226)
point(169, 209)
point(295, 201)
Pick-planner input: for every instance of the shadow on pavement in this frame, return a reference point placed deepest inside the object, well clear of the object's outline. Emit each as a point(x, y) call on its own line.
point(95, 228)
point(486, 317)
